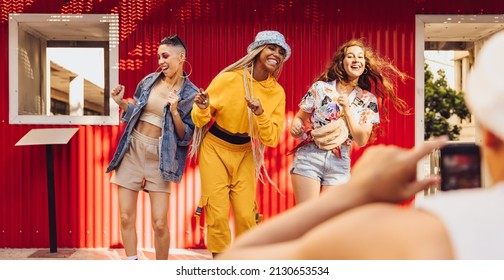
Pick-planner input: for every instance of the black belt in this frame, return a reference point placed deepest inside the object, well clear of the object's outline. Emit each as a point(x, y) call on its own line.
point(233, 139)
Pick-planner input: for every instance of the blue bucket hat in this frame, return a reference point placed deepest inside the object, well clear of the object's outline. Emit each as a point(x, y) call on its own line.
point(270, 37)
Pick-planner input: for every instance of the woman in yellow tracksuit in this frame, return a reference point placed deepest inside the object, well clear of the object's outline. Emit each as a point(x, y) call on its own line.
point(241, 111)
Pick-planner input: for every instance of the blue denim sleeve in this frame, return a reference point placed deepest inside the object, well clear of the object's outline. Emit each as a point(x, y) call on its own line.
point(189, 124)
point(126, 116)
point(189, 129)
point(185, 108)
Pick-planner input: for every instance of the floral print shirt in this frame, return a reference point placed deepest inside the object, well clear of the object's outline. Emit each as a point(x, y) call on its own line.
point(320, 102)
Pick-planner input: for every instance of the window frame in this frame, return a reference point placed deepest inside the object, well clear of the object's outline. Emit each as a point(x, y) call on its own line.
point(111, 68)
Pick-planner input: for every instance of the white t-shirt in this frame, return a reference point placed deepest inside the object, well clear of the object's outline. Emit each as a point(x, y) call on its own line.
point(474, 219)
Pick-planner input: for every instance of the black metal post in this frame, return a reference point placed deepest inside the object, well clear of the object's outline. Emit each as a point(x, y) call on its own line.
point(51, 198)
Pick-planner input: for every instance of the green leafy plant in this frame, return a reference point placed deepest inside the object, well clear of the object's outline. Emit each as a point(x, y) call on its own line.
point(442, 102)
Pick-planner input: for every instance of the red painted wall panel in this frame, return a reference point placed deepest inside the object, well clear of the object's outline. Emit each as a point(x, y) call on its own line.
point(217, 33)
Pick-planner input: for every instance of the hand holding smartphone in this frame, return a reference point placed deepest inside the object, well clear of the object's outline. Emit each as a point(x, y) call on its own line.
point(460, 166)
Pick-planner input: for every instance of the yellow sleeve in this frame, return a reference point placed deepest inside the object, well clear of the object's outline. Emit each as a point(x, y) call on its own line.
point(200, 117)
point(270, 126)
point(227, 105)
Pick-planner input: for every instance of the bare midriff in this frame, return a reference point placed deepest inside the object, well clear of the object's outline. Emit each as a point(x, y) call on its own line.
point(148, 129)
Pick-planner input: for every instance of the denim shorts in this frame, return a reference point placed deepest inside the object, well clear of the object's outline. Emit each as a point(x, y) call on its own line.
point(321, 165)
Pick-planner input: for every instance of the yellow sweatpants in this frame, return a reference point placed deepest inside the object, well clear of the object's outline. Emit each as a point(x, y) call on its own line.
point(227, 178)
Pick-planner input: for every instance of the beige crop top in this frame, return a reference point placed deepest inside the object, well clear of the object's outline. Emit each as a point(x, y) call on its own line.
point(153, 110)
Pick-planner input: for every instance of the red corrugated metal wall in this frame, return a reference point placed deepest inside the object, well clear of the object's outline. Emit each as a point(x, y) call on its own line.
point(217, 33)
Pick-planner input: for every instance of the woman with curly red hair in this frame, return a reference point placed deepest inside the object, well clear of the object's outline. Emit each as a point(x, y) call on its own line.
point(341, 107)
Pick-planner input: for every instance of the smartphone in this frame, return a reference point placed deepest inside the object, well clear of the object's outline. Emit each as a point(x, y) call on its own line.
point(460, 166)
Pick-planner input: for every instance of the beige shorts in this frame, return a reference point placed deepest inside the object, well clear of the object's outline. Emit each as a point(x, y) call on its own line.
point(139, 168)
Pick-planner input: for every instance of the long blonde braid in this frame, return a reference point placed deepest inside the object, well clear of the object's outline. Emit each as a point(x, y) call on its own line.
point(257, 146)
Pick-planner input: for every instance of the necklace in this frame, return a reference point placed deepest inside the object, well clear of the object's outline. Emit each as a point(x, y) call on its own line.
point(171, 88)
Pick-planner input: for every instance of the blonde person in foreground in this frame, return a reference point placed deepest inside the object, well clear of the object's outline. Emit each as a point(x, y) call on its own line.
point(361, 221)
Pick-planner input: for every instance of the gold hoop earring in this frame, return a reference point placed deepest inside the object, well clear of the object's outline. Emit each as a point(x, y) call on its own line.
point(190, 72)
point(365, 71)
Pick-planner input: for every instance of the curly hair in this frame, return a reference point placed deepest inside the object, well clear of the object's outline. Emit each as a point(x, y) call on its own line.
point(379, 77)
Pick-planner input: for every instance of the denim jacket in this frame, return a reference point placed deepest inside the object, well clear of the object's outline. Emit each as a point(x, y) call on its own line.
point(173, 151)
